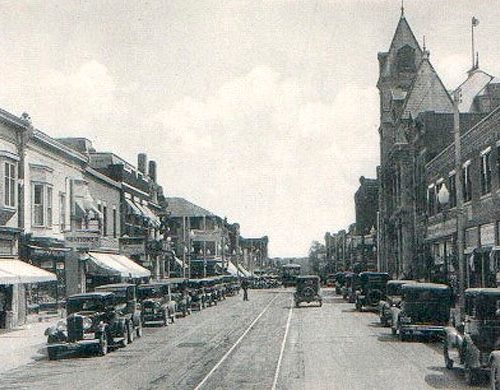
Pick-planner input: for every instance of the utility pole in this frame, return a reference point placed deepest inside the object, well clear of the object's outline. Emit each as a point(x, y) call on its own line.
point(457, 97)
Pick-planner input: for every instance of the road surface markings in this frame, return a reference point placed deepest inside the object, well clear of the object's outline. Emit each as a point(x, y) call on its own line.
point(235, 345)
point(283, 343)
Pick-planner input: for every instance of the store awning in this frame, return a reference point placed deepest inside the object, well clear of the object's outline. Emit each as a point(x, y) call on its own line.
point(232, 269)
point(179, 262)
point(244, 271)
point(115, 265)
point(133, 207)
point(14, 271)
point(149, 215)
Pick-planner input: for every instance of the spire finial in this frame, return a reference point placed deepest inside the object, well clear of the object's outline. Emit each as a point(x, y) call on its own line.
point(402, 8)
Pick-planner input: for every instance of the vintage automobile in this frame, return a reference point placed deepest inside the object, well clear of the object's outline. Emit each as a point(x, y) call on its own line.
point(94, 323)
point(339, 282)
point(371, 289)
point(232, 285)
point(330, 280)
point(392, 299)
point(474, 344)
point(351, 285)
point(126, 303)
point(307, 290)
point(180, 294)
point(210, 291)
point(156, 303)
point(424, 310)
point(197, 294)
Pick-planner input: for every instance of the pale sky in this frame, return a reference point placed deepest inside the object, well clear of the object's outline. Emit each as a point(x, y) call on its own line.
point(264, 112)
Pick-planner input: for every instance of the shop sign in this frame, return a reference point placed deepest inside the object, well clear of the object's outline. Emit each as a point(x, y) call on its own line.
point(82, 240)
point(132, 246)
point(442, 229)
point(40, 253)
point(487, 234)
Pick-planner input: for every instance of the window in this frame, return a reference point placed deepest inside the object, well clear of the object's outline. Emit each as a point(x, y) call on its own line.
point(38, 204)
point(10, 185)
point(114, 221)
point(439, 206)
point(49, 206)
point(62, 212)
point(452, 185)
point(431, 200)
point(486, 172)
point(104, 219)
point(406, 59)
point(467, 182)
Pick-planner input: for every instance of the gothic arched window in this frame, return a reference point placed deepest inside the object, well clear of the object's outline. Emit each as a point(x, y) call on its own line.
point(406, 59)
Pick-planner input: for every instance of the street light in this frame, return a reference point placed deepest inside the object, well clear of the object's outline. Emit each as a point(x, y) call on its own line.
point(444, 199)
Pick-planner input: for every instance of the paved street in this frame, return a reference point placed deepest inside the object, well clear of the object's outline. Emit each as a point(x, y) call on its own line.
point(239, 345)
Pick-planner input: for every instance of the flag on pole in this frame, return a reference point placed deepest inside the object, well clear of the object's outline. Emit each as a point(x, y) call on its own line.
point(475, 21)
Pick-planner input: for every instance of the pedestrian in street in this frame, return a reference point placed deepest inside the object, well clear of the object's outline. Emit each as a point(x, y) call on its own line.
point(244, 286)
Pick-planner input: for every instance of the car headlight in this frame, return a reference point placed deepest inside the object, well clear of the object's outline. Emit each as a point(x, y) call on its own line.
point(87, 323)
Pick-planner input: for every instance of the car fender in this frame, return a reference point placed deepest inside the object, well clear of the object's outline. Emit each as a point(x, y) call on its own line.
point(494, 356)
point(471, 353)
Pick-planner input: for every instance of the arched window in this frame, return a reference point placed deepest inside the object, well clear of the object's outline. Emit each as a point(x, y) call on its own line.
point(406, 59)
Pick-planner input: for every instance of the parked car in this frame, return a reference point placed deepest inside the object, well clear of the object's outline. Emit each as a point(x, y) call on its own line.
point(371, 289)
point(339, 282)
point(232, 285)
point(197, 294)
point(307, 290)
point(330, 280)
point(94, 323)
point(424, 310)
point(126, 303)
point(156, 303)
point(474, 344)
point(180, 294)
point(351, 285)
point(392, 299)
point(210, 291)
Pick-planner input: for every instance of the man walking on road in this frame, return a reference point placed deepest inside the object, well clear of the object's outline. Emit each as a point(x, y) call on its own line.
point(244, 286)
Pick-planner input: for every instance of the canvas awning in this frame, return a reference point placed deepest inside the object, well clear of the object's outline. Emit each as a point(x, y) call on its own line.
point(14, 271)
point(232, 269)
point(244, 271)
point(148, 214)
point(109, 264)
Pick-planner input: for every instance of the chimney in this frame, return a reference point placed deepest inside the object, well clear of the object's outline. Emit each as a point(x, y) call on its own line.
point(152, 170)
point(142, 160)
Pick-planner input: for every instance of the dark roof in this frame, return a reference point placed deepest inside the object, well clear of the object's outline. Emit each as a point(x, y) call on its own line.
point(113, 286)
point(482, 291)
point(373, 273)
point(91, 295)
point(425, 286)
point(401, 281)
point(180, 207)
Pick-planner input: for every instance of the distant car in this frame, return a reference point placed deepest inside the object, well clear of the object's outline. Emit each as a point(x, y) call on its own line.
point(180, 295)
point(424, 310)
point(330, 280)
point(475, 343)
point(351, 285)
point(94, 323)
point(156, 305)
point(197, 294)
point(339, 282)
point(126, 302)
point(392, 299)
point(372, 289)
point(307, 290)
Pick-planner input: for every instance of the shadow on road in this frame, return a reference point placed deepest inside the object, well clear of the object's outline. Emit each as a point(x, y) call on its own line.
point(444, 378)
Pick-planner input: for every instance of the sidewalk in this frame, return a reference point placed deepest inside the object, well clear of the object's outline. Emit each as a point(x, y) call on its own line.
point(25, 344)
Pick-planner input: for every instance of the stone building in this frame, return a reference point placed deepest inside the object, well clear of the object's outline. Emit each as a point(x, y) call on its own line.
point(366, 204)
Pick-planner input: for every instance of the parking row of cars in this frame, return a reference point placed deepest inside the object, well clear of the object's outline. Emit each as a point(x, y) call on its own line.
point(115, 314)
point(411, 308)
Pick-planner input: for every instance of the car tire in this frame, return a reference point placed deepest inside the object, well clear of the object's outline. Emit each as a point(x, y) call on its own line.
point(383, 321)
point(139, 331)
point(320, 303)
point(103, 345)
point(394, 331)
point(495, 382)
point(448, 362)
point(403, 336)
point(359, 307)
point(131, 332)
point(471, 375)
point(125, 336)
point(52, 353)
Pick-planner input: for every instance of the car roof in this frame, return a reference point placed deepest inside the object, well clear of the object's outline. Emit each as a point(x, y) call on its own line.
point(482, 291)
point(91, 295)
point(369, 273)
point(401, 281)
point(308, 277)
point(116, 285)
point(425, 286)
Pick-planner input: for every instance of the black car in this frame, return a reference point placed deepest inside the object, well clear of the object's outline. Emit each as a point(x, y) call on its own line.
point(392, 299)
point(351, 285)
point(197, 294)
point(126, 303)
point(156, 304)
point(424, 310)
point(307, 290)
point(94, 323)
point(474, 344)
point(180, 294)
point(371, 289)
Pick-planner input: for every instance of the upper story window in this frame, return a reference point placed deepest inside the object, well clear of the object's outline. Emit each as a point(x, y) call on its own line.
point(406, 59)
point(467, 182)
point(10, 184)
point(62, 211)
point(486, 171)
point(41, 196)
point(431, 200)
point(452, 187)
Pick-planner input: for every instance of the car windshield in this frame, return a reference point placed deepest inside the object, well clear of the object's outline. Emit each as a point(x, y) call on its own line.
point(84, 304)
point(394, 288)
point(149, 292)
point(425, 296)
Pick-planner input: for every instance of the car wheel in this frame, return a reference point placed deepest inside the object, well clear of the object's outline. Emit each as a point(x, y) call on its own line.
point(358, 306)
point(402, 336)
point(297, 303)
point(125, 336)
point(131, 332)
point(52, 353)
point(164, 320)
point(495, 382)
point(139, 331)
point(383, 321)
point(394, 331)
point(103, 344)
point(320, 303)
point(448, 362)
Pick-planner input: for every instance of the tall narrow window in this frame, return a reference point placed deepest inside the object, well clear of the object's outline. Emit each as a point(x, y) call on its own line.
point(431, 200)
point(115, 222)
point(104, 219)
point(49, 206)
point(486, 172)
point(38, 203)
point(62, 211)
point(467, 183)
point(10, 185)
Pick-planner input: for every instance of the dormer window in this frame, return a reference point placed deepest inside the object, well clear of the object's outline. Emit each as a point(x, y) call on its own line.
point(406, 59)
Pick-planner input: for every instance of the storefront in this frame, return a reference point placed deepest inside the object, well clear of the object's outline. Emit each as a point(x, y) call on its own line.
point(15, 277)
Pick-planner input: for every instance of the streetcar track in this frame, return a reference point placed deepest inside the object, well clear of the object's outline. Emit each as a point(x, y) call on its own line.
point(283, 344)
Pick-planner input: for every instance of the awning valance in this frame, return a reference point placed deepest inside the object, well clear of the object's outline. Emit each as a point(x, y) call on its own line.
point(14, 271)
point(149, 215)
point(109, 264)
point(134, 208)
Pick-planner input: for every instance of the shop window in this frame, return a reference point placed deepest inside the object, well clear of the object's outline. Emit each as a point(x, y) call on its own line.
point(114, 221)
point(486, 172)
point(452, 186)
point(467, 182)
point(10, 185)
